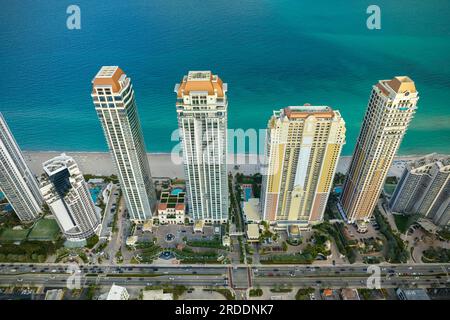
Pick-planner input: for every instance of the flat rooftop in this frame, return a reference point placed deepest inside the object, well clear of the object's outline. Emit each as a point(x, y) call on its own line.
point(399, 84)
point(109, 76)
point(253, 231)
point(201, 81)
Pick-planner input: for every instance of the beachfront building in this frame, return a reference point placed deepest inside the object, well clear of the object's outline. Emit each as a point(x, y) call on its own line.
point(114, 101)
point(17, 182)
point(202, 119)
point(424, 188)
point(391, 107)
point(171, 208)
point(66, 193)
point(303, 145)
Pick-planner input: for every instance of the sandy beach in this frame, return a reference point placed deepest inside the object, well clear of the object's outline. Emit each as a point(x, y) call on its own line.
point(164, 165)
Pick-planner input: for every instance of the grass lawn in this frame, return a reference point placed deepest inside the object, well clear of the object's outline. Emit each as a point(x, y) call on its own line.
point(13, 235)
point(44, 230)
point(403, 222)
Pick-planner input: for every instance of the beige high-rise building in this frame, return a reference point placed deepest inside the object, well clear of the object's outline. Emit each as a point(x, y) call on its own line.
point(391, 107)
point(303, 145)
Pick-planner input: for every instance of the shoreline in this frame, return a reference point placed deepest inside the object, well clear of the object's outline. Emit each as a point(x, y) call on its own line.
point(162, 164)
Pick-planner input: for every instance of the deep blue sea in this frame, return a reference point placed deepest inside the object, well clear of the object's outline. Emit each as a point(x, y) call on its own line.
point(272, 53)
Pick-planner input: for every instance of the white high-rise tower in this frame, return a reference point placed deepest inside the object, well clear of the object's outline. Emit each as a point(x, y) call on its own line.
point(17, 182)
point(202, 119)
point(113, 97)
point(68, 197)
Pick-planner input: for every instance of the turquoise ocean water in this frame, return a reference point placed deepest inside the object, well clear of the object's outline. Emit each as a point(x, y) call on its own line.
point(272, 53)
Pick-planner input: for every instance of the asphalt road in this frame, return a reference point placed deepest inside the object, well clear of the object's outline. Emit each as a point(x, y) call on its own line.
point(218, 275)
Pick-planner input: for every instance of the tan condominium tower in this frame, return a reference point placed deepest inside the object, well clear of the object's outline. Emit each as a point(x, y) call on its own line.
point(114, 101)
point(391, 107)
point(303, 145)
point(202, 119)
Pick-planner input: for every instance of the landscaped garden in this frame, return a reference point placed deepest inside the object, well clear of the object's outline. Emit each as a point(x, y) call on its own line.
point(436, 255)
point(304, 294)
point(403, 222)
point(336, 231)
point(395, 250)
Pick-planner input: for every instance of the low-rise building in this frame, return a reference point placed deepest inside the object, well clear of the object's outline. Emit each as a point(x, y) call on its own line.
point(156, 295)
point(117, 293)
point(350, 294)
point(361, 226)
point(198, 226)
point(172, 208)
point(131, 241)
point(253, 232)
point(330, 294)
point(226, 241)
point(293, 232)
point(412, 294)
point(147, 226)
point(55, 294)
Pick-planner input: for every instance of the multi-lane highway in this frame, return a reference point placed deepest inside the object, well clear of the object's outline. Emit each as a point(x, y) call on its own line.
point(55, 275)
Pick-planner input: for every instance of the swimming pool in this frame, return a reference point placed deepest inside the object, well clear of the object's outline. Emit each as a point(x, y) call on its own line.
point(94, 193)
point(248, 191)
point(176, 191)
point(338, 190)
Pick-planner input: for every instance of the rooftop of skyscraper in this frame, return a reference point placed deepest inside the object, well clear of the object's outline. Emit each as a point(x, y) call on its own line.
point(296, 112)
point(201, 81)
point(109, 76)
point(399, 84)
